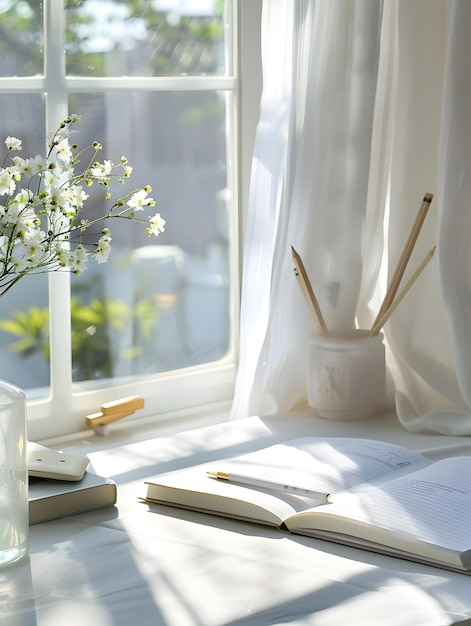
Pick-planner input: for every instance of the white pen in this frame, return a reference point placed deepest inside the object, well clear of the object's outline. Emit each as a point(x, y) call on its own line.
point(249, 481)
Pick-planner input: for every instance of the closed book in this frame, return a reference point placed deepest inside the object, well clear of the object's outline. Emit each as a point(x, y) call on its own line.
point(53, 499)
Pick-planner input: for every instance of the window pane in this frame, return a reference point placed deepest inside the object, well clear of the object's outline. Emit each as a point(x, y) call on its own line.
point(144, 38)
point(158, 304)
point(21, 38)
point(24, 345)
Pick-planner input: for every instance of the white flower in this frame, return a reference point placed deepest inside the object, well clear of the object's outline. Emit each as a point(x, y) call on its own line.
point(35, 250)
point(62, 254)
point(12, 143)
point(64, 153)
point(138, 200)
point(55, 137)
point(77, 260)
point(103, 248)
point(19, 167)
point(29, 219)
point(75, 195)
point(20, 260)
point(157, 224)
point(7, 182)
point(29, 167)
point(65, 199)
point(51, 177)
point(22, 198)
point(101, 170)
point(11, 215)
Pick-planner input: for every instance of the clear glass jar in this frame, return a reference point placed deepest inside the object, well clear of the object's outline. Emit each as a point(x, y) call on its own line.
point(14, 512)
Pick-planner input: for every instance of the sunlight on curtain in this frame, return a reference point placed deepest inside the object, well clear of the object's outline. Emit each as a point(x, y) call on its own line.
point(315, 198)
point(430, 152)
point(369, 111)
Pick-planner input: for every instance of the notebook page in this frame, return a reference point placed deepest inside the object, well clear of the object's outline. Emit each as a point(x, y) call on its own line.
point(325, 464)
point(432, 504)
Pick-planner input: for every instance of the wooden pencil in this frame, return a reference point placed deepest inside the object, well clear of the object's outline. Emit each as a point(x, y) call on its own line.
point(309, 294)
point(390, 310)
point(404, 258)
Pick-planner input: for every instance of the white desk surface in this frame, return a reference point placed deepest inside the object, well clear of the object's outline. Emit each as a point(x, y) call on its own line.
point(133, 565)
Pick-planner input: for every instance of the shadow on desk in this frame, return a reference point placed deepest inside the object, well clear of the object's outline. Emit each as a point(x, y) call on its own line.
point(170, 567)
point(252, 529)
point(80, 570)
point(370, 575)
point(18, 606)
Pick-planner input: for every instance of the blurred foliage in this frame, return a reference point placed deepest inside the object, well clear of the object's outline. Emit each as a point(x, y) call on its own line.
point(155, 42)
point(32, 328)
point(92, 324)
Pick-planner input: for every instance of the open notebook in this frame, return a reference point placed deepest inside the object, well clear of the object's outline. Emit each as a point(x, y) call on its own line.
point(385, 498)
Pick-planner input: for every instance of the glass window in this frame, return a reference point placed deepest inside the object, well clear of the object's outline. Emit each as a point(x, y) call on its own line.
point(155, 81)
point(145, 38)
point(21, 38)
point(24, 333)
point(158, 304)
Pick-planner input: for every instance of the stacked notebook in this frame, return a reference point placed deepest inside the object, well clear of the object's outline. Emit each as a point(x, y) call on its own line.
point(64, 494)
point(52, 499)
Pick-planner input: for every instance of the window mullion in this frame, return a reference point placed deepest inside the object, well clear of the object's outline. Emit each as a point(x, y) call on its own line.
point(59, 283)
point(54, 63)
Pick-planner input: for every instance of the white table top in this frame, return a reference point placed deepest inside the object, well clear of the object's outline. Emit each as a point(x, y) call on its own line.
point(133, 565)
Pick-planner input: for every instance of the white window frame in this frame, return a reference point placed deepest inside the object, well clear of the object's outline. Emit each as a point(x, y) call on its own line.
point(63, 412)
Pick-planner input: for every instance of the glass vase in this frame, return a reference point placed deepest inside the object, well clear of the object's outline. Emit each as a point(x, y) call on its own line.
point(14, 514)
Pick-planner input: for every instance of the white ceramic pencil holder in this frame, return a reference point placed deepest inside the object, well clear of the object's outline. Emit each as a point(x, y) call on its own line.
point(346, 374)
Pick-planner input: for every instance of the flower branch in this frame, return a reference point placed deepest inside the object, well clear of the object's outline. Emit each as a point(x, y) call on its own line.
point(41, 230)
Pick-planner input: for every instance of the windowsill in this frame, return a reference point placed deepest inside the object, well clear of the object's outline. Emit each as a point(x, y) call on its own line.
point(385, 427)
point(135, 429)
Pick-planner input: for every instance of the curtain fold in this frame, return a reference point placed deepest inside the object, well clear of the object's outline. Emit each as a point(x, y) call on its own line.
point(270, 169)
point(364, 109)
point(454, 185)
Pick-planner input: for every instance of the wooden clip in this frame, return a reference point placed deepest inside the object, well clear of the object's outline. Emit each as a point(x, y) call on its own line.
point(113, 411)
point(132, 403)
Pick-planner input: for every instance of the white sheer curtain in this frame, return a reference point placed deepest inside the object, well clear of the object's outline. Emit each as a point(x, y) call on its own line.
point(365, 108)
